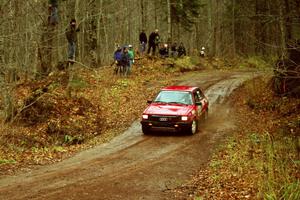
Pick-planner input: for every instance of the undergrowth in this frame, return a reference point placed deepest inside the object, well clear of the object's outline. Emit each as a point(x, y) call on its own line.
point(268, 142)
point(261, 160)
point(255, 62)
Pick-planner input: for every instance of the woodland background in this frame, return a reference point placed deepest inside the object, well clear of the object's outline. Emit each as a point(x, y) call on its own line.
point(31, 48)
point(225, 27)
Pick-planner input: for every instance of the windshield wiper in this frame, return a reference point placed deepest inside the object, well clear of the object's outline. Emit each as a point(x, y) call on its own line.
point(159, 102)
point(176, 102)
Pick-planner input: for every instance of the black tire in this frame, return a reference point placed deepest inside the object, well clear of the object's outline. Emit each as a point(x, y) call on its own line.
point(146, 130)
point(193, 129)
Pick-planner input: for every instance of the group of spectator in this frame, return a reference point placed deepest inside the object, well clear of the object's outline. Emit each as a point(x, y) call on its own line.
point(173, 51)
point(153, 42)
point(164, 49)
point(127, 59)
point(123, 59)
point(124, 56)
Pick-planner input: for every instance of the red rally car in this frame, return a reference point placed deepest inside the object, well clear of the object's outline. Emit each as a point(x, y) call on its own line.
point(175, 108)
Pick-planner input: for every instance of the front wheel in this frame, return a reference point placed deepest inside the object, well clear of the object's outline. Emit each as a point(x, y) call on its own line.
point(194, 127)
point(146, 130)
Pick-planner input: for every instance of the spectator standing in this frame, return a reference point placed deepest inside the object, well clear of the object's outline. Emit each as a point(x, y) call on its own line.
point(71, 32)
point(174, 50)
point(143, 42)
point(125, 60)
point(154, 40)
point(181, 50)
point(53, 12)
point(131, 58)
point(118, 60)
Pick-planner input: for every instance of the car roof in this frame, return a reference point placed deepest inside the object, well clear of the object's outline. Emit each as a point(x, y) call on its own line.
point(179, 88)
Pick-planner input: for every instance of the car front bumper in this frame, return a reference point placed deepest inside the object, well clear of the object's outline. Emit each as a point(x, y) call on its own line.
point(166, 126)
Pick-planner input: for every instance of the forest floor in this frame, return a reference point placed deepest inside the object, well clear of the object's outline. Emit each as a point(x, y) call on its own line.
point(56, 127)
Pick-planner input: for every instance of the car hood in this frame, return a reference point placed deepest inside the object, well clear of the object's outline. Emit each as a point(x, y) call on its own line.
point(168, 109)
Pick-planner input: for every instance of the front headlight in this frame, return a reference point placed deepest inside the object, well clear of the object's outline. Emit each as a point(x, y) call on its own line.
point(184, 118)
point(145, 116)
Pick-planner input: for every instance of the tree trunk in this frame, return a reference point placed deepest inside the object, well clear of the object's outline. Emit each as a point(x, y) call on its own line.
point(155, 14)
point(210, 28)
point(233, 49)
point(91, 34)
point(143, 18)
point(296, 22)
point(282, 29)
point(217, 28)
point(46, 46)
point(287, 19)
point(169, 24)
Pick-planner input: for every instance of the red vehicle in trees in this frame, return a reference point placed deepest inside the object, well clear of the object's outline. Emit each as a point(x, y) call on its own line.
point(175, 108)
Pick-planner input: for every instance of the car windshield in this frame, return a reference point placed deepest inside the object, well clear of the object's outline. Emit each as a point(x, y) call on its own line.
point(180, 97)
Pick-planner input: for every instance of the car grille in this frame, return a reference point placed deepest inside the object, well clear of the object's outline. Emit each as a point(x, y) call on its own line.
point(160, 118)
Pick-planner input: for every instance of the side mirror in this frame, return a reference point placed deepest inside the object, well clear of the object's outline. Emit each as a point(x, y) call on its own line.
point(149, 101)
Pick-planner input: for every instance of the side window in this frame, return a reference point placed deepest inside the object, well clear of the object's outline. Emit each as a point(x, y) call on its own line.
point(200, 93)
point(197, 96)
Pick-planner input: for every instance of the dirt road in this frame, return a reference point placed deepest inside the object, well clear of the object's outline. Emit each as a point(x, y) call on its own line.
point(134, 166)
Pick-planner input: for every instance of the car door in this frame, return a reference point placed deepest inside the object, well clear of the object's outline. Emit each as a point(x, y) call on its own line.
point(200, 98)
point(203, 100)
point(197, 100)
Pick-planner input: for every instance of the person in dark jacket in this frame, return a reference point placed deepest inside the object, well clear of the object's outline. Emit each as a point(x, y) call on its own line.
point(125, 61)
point(143, 42)
point(53, 12)
point(118, 60)
point(154, 40)
point(71, 32)
point(164, 51)
point(181, 50)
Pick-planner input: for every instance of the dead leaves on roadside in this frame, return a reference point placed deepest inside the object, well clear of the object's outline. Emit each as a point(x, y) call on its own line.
point(253, 164)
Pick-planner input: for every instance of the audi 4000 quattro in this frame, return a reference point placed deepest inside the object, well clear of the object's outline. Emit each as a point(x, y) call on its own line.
point(175, 108)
